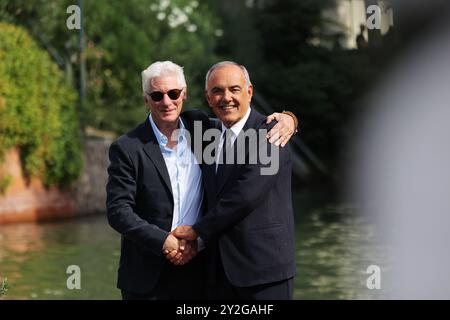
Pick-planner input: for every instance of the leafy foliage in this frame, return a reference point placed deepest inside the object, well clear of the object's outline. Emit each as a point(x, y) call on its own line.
point(295, 67)
point(322, 83)
point(37, 110)
point(122, 39)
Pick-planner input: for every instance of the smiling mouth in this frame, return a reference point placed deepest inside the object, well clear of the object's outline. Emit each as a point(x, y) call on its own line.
point(227, 107)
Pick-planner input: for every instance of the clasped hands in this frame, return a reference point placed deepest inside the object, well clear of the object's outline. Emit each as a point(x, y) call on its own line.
point(180, 246)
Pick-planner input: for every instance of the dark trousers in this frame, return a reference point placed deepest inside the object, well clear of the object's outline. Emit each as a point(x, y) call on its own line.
point(185, 282)
point(222, 289)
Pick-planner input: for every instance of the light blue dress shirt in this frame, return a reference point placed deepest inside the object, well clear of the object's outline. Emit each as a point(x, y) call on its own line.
point(185, 177)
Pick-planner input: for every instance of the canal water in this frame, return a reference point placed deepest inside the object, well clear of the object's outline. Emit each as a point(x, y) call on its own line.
point(334, 248)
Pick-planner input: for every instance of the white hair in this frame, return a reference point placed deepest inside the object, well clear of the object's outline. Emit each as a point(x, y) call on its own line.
point(162, 68)
point(228, 63)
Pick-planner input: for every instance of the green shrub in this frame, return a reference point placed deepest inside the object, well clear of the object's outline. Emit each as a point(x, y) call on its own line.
point(4, 182)
point(37, 110)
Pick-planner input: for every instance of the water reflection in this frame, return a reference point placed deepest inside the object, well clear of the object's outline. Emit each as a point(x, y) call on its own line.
point(35, 256)
point(332, 255)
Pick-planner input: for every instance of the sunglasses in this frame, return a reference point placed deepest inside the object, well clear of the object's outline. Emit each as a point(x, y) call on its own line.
point(173, 94)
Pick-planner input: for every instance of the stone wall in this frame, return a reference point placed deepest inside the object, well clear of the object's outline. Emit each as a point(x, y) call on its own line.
point(89, 195)
point(28, 200)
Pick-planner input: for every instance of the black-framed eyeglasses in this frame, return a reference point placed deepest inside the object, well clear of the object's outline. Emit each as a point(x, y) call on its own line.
point(157, 96)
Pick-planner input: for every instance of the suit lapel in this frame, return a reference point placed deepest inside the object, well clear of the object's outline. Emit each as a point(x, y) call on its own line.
point(151, 148)
point(189, 126)
point(209, 180)
point(230, 168)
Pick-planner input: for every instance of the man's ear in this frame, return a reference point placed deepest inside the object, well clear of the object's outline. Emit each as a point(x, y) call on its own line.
point(250, 92)
point(185, 94)
point(207, 98)
point(147, 101)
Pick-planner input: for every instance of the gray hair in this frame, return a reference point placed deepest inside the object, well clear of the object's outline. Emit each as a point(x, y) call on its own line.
point(228, 63)
point(162, 68)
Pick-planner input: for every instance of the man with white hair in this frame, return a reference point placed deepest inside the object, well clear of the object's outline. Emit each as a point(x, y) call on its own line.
point(155, 185)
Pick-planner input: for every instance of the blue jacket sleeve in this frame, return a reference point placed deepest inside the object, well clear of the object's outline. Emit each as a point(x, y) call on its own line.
point(120, 203)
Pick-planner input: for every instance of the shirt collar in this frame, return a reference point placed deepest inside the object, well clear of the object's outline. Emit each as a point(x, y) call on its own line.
point(237, 127)
point(160, 137)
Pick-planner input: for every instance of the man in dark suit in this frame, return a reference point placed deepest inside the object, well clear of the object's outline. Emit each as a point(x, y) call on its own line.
point(155, 185)
point(248, 227)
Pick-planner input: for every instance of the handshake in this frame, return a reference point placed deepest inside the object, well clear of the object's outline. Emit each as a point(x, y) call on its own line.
point(180, 246)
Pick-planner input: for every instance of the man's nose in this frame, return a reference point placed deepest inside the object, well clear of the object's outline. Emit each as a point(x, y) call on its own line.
point(228, 97)
point(166, 100)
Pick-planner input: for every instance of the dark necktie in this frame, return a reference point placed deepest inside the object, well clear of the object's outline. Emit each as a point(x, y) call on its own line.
point(226, 145)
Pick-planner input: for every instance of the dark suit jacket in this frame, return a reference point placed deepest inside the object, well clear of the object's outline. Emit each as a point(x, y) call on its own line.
point(250, 218)
point(140, 203)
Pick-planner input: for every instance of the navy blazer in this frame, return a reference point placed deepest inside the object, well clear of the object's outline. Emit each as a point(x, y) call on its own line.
point(249, 218)
point(140, 203)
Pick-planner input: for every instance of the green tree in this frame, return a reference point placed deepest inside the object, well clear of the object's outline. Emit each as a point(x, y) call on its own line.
point(122, 39)
point(293, 66)
point(299, 70)
point(37, 110)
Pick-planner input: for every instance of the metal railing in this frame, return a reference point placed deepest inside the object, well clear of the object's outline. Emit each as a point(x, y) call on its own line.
point(303, 158)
